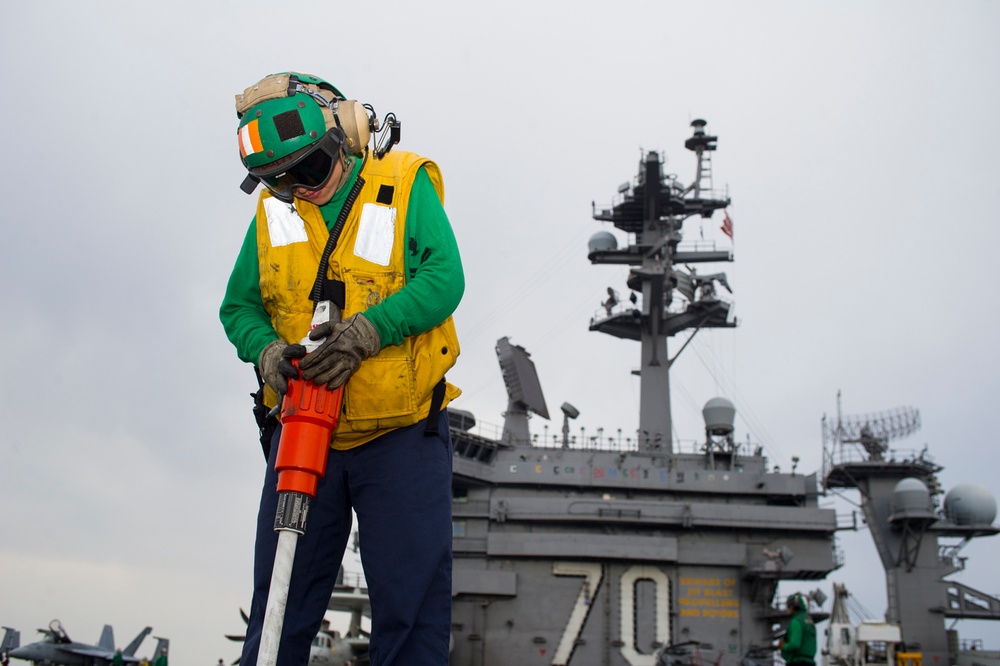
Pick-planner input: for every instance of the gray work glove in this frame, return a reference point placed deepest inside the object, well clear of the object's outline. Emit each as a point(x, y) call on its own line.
point(276, 367)
point(347, 343)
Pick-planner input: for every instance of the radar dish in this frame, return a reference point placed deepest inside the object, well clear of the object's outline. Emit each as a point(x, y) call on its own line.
point(602, 241)
point(520, 377)
point(970, 504)
point(871, 431)
point(719, 415)
point(911, 496)
point(878, 428)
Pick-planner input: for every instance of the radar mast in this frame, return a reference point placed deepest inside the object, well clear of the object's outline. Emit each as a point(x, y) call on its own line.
point(652, 212)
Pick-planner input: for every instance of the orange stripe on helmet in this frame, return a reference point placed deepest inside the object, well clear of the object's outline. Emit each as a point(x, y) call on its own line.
point(249, 137)
point(255, 136)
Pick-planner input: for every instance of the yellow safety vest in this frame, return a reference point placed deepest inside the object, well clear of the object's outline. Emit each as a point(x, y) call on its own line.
point(393, 388)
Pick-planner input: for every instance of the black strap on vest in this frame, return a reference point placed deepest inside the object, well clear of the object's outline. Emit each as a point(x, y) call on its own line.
point(325, 289)
point(437, 398)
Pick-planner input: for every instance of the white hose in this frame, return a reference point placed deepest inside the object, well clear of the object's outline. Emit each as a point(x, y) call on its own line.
point(277, 598)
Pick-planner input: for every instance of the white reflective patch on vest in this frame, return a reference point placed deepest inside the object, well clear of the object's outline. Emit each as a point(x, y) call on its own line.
point(284, 224)
point(375, 234)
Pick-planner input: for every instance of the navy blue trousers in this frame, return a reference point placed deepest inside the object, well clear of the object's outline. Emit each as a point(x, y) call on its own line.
point(399, 485)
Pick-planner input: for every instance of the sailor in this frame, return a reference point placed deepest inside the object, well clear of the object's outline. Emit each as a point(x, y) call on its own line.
point(799, 645)
point(396, 273)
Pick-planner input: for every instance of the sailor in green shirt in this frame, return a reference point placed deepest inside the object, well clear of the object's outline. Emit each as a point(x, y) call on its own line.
point(338, 222)
point(799, 645)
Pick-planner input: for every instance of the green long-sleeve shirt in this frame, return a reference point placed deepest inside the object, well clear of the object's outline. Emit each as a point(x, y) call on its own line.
point(800, 640)
point(435, 281)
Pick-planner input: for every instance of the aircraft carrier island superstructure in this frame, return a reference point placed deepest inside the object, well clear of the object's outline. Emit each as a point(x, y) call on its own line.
point(608, 553)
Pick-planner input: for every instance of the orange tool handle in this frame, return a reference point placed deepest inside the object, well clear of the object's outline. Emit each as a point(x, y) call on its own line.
point(309, 415)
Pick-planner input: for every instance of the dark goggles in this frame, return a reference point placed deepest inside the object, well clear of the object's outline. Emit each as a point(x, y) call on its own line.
point(309, 168)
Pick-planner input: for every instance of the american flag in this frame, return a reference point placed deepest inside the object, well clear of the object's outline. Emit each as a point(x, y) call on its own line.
point(727, 225)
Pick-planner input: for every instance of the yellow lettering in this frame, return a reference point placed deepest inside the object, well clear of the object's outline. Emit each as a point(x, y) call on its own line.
point(712, 603)
point(687, 580)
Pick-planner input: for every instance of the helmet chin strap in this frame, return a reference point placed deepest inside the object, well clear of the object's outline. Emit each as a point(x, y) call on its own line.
point(347, 165)
point(250, 183)
point(345, 169)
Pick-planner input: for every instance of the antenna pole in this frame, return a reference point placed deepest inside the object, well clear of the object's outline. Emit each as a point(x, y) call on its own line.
point(654, 211)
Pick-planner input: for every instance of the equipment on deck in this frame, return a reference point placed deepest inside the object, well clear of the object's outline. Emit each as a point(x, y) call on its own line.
point(309, 415)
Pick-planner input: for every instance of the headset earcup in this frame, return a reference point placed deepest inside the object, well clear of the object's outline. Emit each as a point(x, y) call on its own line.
point(356, 124)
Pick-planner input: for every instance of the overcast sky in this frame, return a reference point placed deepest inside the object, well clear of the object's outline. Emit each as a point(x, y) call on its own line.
point(859, 141)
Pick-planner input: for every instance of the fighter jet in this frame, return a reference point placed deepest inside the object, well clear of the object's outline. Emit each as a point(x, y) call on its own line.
point(57, 649)
point(328, 647)
point(11, 639)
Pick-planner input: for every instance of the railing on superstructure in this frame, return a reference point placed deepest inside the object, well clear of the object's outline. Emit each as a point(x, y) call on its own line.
point(864, 440)
point(482, 441)
point(678, 306)
point(626, 208)
point(352, 579)
point(851, 453)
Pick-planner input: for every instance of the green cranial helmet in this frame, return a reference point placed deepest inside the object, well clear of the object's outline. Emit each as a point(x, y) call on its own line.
point(292, 129)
